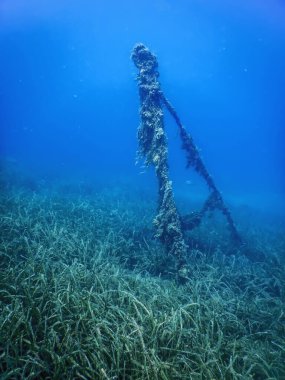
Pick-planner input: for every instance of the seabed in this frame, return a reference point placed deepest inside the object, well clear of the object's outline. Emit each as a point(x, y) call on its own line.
point(87, 292)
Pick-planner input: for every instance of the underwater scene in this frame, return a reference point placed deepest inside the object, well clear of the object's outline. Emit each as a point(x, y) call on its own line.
point(142, 208)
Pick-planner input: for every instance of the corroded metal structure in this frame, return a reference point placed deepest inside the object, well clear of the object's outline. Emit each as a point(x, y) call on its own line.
point(153, 146)
point(170, 226)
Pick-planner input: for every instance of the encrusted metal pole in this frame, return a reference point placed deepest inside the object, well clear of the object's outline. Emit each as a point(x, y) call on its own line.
point(153, 147)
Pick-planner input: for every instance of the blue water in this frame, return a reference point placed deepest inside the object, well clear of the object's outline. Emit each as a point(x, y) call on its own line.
point(69, 100)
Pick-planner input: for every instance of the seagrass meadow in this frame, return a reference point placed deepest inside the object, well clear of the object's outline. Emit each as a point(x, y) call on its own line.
point(86, 292)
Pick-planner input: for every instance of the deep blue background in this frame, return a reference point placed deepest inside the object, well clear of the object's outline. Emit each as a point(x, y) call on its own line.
point(69, 102)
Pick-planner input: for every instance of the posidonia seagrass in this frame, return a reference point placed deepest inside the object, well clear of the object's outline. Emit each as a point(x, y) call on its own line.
point(84, 295)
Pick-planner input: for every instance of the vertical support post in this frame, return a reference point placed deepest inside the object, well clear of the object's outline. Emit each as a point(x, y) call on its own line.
point(153, 147)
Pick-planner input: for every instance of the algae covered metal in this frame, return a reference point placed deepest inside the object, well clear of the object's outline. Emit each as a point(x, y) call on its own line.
point(153, 147)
